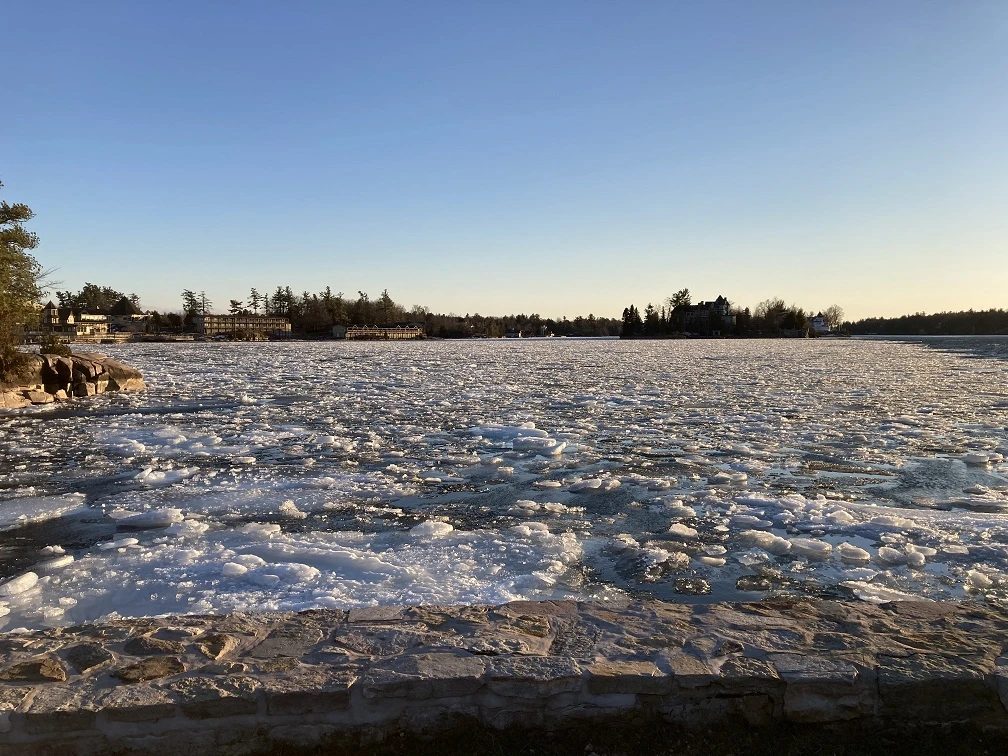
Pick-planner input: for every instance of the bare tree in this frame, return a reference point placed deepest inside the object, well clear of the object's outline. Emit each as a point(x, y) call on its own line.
point(833, 316)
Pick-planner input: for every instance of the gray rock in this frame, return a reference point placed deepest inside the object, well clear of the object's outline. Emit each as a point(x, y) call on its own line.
point(39, 397)
point(10, 699)
point(216, 645)
point(152, 668)
point(62, 708)
point(84, 389)
point(64, 370)
point(136, 703)
point(146, 645)
point(312, 690)
point(437, 675)
point(749, 675)
point(42, 669)
point(287, 640)
point(689, 672)
point(936, 687)
point(376, 614)
point(639, 677)
point(379, 640)
point(533, 676)
point(206, 698)
point(13, 400)
point(88, 656)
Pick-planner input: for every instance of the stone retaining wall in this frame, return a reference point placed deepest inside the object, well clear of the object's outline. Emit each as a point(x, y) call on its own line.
point(252, 681)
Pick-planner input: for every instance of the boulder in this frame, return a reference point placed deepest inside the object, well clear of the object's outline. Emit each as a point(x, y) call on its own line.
point(83, 370)
point(42, 379)
point(84, 389)
point(13, 400)
point(39, 397)
point(48, 370)
point(120, 377)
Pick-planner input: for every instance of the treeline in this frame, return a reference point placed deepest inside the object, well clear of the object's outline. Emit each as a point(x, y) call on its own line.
point(93, 298)
point(314, 315)
point(968, 323)
point(677, 317)
point(481, 326)
point(310, 314)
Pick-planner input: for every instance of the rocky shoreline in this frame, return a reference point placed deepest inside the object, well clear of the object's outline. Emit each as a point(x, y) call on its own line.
point(249, 683)
point(51, 378)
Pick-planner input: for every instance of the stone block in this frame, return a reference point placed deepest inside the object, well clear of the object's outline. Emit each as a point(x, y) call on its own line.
point(10, 699)
point(688, 671)
point(934, 687)
point(302, 736)
point(61, 708)
point(84, 367)
point(120, 383)
point(216, 645)
point(749, 676)
point(638, 677)
point(314, 690)
point(213, 698)
point(381, 640)
point(292, 639)
point(39, 397)
point(47, 370)
point(419, 676)
point(87, 656)
point(821, 689)
point(533, 676)
point(146, 645)
point(152, 668)
point(376, 614)
point(44, 722)
point(41, 669)
point(574, 639)
point(136, 703)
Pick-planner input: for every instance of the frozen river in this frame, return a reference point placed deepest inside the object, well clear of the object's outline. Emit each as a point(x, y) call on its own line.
point(298, 475)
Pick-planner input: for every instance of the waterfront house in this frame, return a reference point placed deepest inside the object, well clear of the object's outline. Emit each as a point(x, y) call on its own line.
point(818, 325)
point(705, 318)
point(124, 316)
point(69, 323)
point(398, 332)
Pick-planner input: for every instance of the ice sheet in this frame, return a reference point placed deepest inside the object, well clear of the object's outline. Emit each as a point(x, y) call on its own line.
point(343, 474)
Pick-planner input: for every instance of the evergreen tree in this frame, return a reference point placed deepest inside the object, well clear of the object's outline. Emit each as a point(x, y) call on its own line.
point(21, 279)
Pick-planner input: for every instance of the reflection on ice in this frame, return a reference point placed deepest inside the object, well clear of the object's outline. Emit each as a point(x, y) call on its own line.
point(288, 476)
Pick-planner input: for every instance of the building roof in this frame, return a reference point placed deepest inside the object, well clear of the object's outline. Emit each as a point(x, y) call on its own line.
point(124, 308)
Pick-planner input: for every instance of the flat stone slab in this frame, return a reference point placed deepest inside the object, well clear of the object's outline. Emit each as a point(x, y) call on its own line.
point(224, 684)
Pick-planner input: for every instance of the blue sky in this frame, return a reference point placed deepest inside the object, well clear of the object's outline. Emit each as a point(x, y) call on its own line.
point(560, 158)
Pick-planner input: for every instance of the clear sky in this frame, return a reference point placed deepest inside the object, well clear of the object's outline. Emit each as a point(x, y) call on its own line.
point(495, 157)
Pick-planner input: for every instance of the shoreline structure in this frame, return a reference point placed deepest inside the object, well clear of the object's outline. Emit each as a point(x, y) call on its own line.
point(250, 683)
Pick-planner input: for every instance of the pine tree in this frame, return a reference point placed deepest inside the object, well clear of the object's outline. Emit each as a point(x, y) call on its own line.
point(21, 280)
